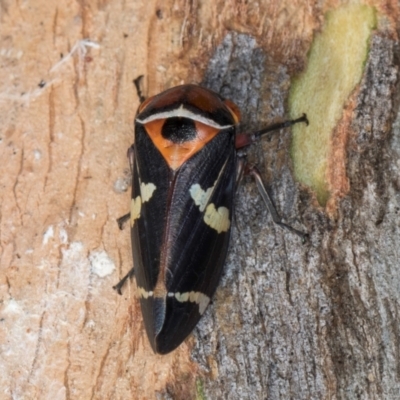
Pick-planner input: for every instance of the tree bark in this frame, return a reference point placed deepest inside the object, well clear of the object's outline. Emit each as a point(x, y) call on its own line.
point(290, 320)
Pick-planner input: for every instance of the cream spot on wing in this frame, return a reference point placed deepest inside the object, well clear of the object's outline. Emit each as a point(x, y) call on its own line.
point(200, 196)
point(181, 297)
point(141, 292)
point(203, 301)
point(195, 297)
point(136, 206)
point(147, 190)
point(217, 219)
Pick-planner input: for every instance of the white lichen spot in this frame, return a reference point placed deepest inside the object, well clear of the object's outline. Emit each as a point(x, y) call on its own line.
point(121, 185)
point(100, 263)
point(79, 47)
point(90, 324)
point(217, 219)
point(75, 250)
point(37, 154)
point(48, 234)
point(11, 307)
point(63, 235)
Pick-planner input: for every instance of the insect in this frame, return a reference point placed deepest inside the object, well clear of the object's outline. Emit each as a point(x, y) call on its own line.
point(186, 166)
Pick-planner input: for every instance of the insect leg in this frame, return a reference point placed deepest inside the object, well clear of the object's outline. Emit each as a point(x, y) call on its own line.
point(240, 168)
point(138, 82)
point(122, 282)
point(244, 140)
point(121, 221)
point(253, 171)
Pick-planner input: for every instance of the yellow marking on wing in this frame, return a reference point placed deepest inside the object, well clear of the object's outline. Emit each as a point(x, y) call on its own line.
point(201, 197)
point(217, 219)
point(181, 297)
point(136, 206)
point(141, 292)
point(147, 190)
point(202, 301)
point(195, 297)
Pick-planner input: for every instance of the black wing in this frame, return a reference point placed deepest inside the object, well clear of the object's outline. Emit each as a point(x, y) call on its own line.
point(181, 237)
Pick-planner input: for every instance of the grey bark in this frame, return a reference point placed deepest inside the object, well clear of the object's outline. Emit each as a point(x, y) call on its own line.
point(316, 320)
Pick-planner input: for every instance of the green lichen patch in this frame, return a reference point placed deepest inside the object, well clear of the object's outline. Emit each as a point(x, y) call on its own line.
point(200, 390)
point(335, 66)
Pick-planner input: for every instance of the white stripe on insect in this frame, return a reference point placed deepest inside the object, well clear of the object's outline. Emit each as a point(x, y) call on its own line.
point(146, 190)
point(195, 297)
point(141, 292)
point(183, 113)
